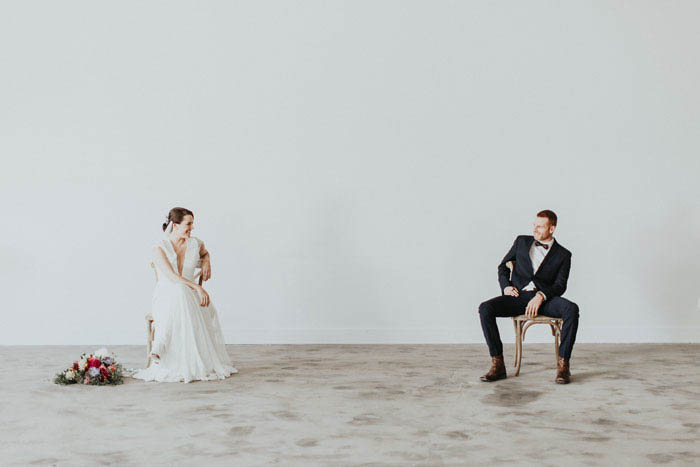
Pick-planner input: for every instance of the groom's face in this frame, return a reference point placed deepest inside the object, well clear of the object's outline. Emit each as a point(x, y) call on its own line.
point(542, 230)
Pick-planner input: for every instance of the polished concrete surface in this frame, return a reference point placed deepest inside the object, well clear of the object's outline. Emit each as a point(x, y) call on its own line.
point(631, 404)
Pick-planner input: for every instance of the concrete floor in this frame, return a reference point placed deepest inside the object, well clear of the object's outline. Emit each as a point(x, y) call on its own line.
point(360, 404)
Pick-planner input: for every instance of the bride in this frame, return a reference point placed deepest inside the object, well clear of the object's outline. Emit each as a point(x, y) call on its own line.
point(188, 344)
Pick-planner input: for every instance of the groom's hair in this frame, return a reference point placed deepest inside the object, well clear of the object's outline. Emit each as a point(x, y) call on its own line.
point(549, 215)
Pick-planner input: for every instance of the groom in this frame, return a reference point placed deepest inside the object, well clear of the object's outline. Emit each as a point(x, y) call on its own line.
point(538, 280)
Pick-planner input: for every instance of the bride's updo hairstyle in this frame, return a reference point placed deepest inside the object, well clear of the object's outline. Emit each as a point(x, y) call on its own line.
point(176, 215)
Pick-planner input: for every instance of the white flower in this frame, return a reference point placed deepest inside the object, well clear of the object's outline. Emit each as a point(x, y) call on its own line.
point(82, 363)
point(101, 353)
point(70, 375)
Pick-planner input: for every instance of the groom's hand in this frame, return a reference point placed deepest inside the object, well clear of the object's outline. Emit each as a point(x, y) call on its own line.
point(533, 306)
point(512, 291)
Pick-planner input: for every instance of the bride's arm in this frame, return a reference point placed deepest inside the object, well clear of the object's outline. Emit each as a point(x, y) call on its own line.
point(164, 266)
point(206, 263)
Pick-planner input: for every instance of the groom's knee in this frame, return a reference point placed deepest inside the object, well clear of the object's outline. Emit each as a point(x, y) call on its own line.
point(571, 312)
point(486, 309)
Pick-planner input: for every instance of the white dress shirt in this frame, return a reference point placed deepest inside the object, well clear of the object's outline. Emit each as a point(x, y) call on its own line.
point(537, 254)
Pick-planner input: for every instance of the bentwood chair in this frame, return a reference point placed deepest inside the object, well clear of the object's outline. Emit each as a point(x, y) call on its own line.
point(521, 324)
point(150, 330)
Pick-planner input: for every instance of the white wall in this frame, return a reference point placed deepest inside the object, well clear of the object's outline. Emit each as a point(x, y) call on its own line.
point(357, 169)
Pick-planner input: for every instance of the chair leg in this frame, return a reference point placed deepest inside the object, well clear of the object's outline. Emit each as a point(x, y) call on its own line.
point(557, 338)
point(515, 329)
point(149, 343)
point(553, 326)
point(519, 345)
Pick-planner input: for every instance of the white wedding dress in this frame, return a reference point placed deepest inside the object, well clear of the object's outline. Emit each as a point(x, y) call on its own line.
point(187, 337)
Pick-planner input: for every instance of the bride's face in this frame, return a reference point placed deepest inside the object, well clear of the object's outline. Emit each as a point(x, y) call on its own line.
point(184, 228)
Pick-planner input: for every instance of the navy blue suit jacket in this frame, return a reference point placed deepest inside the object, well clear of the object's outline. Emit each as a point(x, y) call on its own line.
point(550, 278)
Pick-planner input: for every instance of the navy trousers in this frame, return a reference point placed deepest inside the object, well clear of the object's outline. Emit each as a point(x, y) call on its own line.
point(504, 306)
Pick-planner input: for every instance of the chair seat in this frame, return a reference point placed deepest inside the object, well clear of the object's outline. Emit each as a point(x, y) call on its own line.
point(149, 317)
point(536, 319)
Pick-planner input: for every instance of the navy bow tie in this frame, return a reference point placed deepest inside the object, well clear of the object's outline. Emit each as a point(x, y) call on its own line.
point(543, 245)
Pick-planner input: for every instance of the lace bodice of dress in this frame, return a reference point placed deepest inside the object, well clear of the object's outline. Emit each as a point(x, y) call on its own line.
point(190, 261)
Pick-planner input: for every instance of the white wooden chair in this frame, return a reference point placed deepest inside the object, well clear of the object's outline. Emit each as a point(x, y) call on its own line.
point(150, 330)
point(521, 323)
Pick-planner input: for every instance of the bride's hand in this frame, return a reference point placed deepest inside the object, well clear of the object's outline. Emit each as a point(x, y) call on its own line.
point(203, 296)
point(206, 270)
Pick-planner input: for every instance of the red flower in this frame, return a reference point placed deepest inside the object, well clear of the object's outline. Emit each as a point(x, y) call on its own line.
point(94, 362)
point(104, 372)
point(76, 366)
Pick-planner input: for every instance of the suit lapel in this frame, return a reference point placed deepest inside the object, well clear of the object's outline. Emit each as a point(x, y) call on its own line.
point(555, 249)
point(528, 263)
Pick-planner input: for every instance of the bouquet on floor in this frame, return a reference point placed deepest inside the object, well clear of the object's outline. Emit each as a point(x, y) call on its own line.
point(98, 369)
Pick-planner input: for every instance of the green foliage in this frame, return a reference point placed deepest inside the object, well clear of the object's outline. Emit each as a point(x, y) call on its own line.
point(61, 379)
point(116, 376)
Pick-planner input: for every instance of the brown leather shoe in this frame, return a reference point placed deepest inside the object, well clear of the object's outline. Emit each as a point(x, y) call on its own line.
point(497, 371)
point(563, 373)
